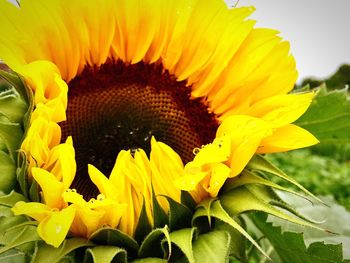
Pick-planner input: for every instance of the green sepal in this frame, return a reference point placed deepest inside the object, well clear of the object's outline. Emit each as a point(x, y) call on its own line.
point(183, 239)
point(260, 164)
point(187, 200)
point(143, 225)
point(206, 248)
point(105, 254)
point(159, 216)
point(180, 216)
point(257, 198)
point(216, 210)
point(34, 193)
point(238, 242)
point(152, 245)
point(247, 177)
point(108, 236)
point(149, 260)
point(21, 172)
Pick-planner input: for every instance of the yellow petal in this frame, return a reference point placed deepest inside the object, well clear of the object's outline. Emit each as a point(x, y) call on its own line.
point(216, 152)
point(166, 167)
point(131, 179)
point(52, 188)
point(287, 138)
point(54, 228)
point(282, 109)
point(41, 137)
point(191, 179)
point(44, 78)
point(71, 196)
point(86, 219)
point(38, 211)
point(112, 210)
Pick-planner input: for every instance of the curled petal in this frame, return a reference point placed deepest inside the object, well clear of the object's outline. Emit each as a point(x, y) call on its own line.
point(52, 188)
point(102, 182)
point(61, 162)
point(246, 134)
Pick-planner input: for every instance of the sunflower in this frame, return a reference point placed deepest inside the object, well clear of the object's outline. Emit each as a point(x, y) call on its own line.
point(137, 102)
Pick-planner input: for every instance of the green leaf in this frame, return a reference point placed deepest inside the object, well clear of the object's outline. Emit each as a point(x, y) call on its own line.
point(334, 218)
point(8, 173)
point(328, 117)
point(212, 247)
point(11, 199)
point(17, 236)
point(11, 134)
point(105, 254)
point(9, 222)
point(47, 253)
point(152, 245)
point(12, 105)
point(13, 256)
point(108, 236)
point(291, 248)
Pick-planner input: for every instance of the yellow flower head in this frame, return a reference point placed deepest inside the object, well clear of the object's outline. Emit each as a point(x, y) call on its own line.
point(129, 89)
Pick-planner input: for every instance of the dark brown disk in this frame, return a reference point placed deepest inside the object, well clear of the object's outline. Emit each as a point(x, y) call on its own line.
point(120, 106)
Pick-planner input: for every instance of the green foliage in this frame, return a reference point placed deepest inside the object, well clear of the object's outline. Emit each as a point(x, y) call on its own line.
point(322, 175)
point(290, 246)
point(328, 118)
point(14, 109)
point(337, 81)
point(333, 217)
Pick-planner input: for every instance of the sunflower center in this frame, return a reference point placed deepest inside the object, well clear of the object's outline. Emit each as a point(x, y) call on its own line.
point(120, 107)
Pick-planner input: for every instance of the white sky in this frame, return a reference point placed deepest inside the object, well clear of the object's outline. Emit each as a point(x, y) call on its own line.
point(318, 30)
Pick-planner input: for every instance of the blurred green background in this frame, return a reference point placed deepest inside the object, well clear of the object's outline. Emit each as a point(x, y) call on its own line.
point(324, 169)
